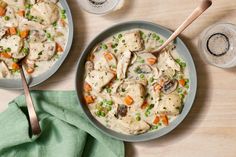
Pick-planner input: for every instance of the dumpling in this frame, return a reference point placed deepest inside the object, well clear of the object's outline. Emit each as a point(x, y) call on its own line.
point(47, 12)
point(170, 104)
point(41, 51)
point(133, 41)
point(166, 61)
point(98, 79)
point(25, 24)
point(131, 126)
point(15, 43)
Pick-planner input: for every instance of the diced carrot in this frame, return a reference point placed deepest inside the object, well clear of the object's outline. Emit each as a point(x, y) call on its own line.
point(12, 31)
point(144, 105)
point(162, 82)
point(114, 72)
point(89, 99)
point(87, 87)
point(63, 22)
point(165, 120)
point(6, 55)
point(30, 70)
point(24, 34)
point(21, 13)
point(2, 11)
point(182, 82)
point(128, 100)
point(15, 66)
point(157, 87)
point(151, 61)
point(108, 56)
point(59, 48)
point(156, 120)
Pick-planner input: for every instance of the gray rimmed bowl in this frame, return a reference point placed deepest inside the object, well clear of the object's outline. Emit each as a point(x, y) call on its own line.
point(183, 52)
point(16, 83)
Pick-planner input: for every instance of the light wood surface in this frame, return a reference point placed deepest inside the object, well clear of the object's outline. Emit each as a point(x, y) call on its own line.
point(210, 128)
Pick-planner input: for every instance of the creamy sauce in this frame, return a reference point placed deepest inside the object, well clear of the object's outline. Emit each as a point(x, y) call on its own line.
point(131, 91)
point(46, 39)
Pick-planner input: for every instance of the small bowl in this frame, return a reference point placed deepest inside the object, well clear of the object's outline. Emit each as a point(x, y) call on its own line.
point(180, 48)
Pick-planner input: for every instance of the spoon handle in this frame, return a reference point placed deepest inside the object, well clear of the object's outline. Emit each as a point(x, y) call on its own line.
point(205, 4)
point(30, 106)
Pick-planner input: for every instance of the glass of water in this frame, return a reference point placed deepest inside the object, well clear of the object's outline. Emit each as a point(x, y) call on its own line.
point(101, 7)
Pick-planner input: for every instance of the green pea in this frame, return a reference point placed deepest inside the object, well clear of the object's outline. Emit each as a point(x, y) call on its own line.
point(157, 37)
point(108, 90)
point(142, 76)
point(48, 35)
point(187, 80)
point(104, 46)
point(103, 114)
point(151, 79)
point(7, 18)
point(63, 16)
point(138, 118)
point(28, 6)
point(109, 108)
point(120, 36)
point(54, 24)
point(187, 86)
point(161, 41)
point(63, 11)
point(98, 113)
point(154, 35)
point(110, 102)
point(25, 50)
point(8, 49)
point(30, 17)
point(15, 60)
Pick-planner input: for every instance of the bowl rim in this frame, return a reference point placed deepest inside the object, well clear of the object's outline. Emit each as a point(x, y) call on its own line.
point(149, 135)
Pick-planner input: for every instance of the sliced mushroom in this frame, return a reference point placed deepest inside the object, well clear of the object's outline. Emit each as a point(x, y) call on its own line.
point(4, 71)
point(170, 86)
point(134, 58)
point(3, 31)
point(37, 36)
point(121, 111)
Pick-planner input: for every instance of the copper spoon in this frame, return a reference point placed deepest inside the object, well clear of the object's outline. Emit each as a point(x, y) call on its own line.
point(30, 106)
point(205, 4)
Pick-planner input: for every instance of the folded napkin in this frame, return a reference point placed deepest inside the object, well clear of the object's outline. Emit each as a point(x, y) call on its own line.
point(66, 131)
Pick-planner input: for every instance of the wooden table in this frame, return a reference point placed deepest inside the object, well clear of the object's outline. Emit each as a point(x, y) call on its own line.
point(210, 128)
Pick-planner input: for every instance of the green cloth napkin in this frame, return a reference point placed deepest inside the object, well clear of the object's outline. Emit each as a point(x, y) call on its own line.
point(66, 131)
